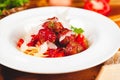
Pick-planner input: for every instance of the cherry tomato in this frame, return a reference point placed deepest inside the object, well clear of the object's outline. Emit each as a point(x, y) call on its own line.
point(99, 6)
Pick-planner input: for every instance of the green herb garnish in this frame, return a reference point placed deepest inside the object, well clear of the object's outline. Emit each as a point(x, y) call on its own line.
point(0, 12)
point(8, 4)
point(77, 30)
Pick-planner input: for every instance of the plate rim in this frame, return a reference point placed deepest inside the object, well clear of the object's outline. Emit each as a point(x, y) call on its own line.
point(54, 72)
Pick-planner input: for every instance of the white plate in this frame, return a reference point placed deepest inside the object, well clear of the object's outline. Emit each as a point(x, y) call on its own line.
point(103, 35)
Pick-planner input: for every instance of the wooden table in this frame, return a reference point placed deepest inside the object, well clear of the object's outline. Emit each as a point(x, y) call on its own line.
point(88, 74)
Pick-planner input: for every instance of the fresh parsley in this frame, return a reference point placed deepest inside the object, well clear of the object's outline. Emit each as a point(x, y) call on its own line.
point(77, 30)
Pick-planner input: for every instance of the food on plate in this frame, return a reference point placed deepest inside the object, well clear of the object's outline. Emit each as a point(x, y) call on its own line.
point(53, 40)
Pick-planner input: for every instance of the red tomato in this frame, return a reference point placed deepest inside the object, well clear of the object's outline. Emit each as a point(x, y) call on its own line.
point(33, 41)
point(55, 53)
point(81, 40)
point(100, 6)
point(20, 42)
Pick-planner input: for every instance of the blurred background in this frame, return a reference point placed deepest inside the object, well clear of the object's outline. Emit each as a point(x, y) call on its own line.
point(109, 8)
point(10, 6)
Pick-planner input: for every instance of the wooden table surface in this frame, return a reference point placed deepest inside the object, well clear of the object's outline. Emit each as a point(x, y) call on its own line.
point(88, 74)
